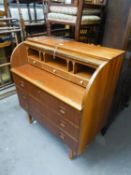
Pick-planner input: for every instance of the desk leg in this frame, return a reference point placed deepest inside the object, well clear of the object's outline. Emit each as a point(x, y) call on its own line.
point(30, 118)
point(72, 154)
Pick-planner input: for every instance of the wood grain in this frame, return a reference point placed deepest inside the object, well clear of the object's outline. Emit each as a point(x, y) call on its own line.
point(55, 91)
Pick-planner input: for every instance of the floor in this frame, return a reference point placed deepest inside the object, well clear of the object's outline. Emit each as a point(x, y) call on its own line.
point(31, 150)
point(7, 91)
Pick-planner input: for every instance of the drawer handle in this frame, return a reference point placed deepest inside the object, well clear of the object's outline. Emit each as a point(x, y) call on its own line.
point(62, 124)
point(22, 84)
point(62, 111)
point(81, 82)
point(54, 70)
point(62, 136)
point(34, 62)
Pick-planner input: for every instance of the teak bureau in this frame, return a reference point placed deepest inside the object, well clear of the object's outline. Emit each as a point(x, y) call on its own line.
point(67, 86)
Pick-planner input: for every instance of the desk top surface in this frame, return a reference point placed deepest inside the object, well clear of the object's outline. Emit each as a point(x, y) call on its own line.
point(66, 91)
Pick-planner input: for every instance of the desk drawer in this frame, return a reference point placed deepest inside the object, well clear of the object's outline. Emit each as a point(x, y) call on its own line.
point(61, 123)
point(35, 62)
point(23, 99)
point(79, 81)
point(56, 71)
point(20, 82)
point(55, 105)
point(55, 130)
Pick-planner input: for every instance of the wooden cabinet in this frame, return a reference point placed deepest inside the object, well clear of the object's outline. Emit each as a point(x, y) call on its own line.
point(67, 86)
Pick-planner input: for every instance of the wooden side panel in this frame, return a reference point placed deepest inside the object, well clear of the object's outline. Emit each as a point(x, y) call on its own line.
point(19, 56)
point(98, 100)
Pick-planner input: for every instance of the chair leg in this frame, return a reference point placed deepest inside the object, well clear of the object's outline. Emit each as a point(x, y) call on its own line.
point(77, 33)
point(48, 28)
point(30, 119)
point(72, 154)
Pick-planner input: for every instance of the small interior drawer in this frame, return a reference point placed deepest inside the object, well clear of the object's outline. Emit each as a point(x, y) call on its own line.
point(35, 62)
point(56, 71)
point(79, 81)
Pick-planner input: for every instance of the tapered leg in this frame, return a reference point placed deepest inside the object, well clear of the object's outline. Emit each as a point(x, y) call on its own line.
point(104, 130)
point(48, 28)
point(72, 154)
point(77, 33)
point(30, 119)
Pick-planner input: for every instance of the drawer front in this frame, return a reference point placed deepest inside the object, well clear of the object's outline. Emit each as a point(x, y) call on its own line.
point(23, 99)
point(34, 62)
point(79, 81)
point(20, 82)
point(65, 75)
point(65, 126)
point(56, 71)
point(56, 105)
point(55, 130)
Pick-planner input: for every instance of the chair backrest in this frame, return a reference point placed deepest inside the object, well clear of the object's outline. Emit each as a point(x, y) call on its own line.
point(63, 2)
point(74, 8)
point(4, 12)
point(70, 5)
point(31, 10)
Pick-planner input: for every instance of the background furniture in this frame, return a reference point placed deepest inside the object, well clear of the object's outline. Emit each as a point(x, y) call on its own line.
point(49, 72)
point(32, 17)
point(118, 35)
point(9, 32)
point(78, 14)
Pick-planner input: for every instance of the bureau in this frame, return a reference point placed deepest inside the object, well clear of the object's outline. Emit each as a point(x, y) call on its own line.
point(67, 86)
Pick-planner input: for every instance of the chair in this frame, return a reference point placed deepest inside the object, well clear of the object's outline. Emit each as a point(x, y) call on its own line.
point(9, 27)
point(32, 16)
point(8, 38)
point(79, 13)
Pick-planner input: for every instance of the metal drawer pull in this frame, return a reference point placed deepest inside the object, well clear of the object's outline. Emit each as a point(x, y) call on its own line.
point(62, 124)
point(34, 62)
point(62, 111)
point(81, 82)
point(62, 136)
point(54, 70)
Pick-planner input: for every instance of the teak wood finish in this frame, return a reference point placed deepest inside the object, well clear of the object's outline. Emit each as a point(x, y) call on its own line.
point(67, 86)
